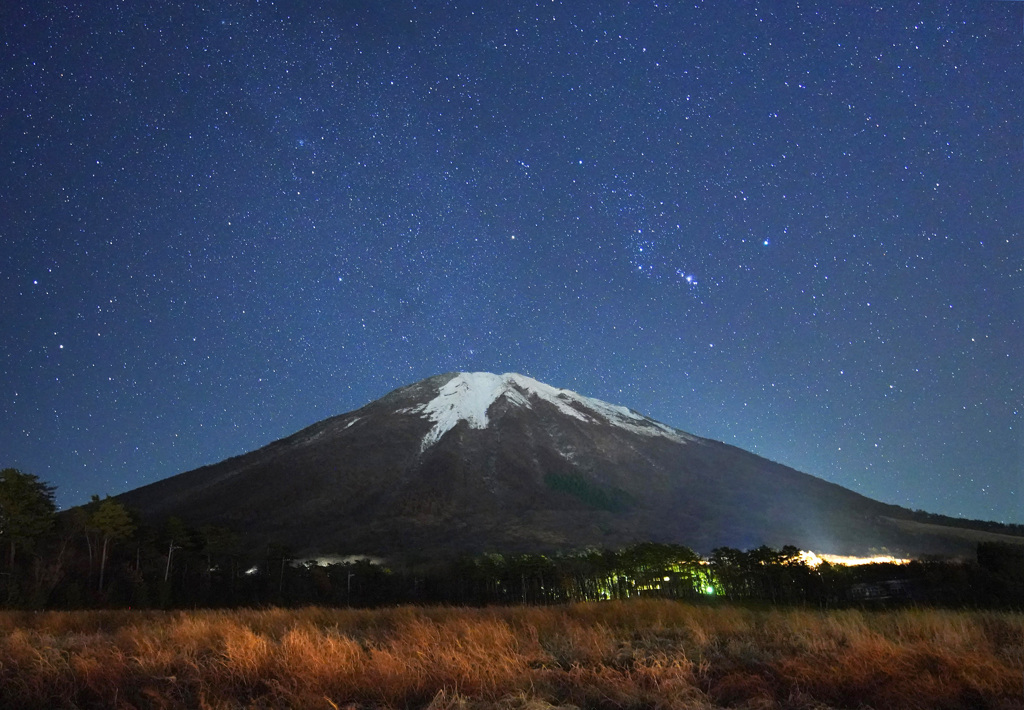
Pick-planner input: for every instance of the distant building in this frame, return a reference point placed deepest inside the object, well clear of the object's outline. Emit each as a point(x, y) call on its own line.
point(879, 591)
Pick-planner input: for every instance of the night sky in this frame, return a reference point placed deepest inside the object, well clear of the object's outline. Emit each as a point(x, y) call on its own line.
point(792, 227)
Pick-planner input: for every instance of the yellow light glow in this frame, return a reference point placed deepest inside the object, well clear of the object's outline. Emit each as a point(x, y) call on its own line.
point(813, 559)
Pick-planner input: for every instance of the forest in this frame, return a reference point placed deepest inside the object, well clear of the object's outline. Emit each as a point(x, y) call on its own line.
point(102, 555)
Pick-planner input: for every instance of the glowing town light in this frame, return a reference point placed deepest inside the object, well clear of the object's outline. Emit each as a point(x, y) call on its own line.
point(813, 559)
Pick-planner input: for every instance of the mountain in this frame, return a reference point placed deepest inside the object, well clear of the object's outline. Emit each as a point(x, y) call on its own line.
point(478, 462)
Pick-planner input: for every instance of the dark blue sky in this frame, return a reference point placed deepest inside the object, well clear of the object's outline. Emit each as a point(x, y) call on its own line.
point(796, 228)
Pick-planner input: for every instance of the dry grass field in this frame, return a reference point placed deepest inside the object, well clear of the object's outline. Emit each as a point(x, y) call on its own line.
point(638, 654)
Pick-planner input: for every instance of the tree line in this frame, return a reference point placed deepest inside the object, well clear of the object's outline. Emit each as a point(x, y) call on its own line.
point(103, 555)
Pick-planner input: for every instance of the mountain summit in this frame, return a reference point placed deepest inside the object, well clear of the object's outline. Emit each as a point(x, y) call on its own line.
point(478, 462)
point(469, 395)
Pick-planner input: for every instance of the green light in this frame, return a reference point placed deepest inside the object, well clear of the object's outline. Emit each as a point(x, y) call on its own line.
point(708, 589)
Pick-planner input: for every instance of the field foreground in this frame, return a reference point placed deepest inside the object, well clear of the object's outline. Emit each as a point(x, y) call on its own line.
point(637, 654)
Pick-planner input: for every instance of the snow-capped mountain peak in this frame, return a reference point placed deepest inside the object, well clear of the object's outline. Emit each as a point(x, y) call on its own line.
point(469, 395)
point(537, 468)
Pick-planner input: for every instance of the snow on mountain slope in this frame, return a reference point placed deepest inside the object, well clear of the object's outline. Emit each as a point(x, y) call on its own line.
point(468, 396)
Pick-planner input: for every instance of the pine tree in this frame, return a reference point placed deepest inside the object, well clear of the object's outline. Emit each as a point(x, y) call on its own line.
point(27, 509)
point(113, 522)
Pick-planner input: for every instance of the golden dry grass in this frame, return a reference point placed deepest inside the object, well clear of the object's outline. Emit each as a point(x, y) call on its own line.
point(639, 654)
